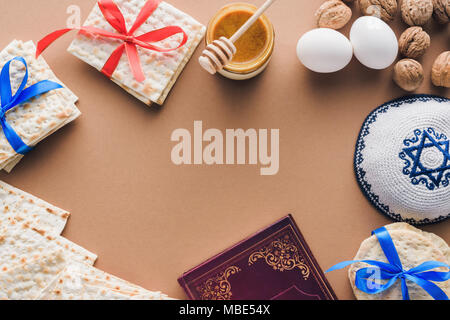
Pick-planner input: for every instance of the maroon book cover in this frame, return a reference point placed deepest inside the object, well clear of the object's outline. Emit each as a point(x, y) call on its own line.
point(274, 264)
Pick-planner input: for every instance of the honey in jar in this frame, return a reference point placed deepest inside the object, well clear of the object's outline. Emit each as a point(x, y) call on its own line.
point(254, 48)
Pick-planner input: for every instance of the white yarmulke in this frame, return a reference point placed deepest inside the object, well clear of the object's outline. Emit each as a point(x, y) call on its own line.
point(402, 159)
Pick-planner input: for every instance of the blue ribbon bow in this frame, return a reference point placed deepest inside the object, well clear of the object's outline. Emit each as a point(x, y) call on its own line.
point(392, 271)
point(9, 101)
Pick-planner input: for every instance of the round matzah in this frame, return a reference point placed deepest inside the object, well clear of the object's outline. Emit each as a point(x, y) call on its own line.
point(402, 159)
point(413, 249)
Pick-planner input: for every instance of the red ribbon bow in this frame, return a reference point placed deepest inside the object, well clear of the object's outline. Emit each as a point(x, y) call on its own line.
point(115, 18)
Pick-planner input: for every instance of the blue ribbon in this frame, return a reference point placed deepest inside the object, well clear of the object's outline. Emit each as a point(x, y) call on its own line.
point(392, 271)
point(9, 101)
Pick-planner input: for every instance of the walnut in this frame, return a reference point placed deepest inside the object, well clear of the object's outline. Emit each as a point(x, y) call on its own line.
point(417, 12)
point(440, 73)
point(414, 42)
point(441, 11)
point(333, 14)
point(408, 74)
point(384, 9)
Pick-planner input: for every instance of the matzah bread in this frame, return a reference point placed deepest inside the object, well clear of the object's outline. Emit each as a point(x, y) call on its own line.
point(20, 206)
point(70, 289)
point(36, 262)
point(78, 282)
point(41, 116)
point(94, 276)
point(99, 293)
point(27, 281)
point(20, 244)
point(413, 248)
point(161, 69)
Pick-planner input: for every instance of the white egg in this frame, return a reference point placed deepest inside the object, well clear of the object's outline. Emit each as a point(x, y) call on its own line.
point(374, 43)
point(324, 50)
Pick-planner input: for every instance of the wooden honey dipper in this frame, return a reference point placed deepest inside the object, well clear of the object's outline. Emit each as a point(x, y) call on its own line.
point(220, 52)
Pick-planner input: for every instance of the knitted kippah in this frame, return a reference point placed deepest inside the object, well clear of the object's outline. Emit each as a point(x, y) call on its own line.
point(402, 159)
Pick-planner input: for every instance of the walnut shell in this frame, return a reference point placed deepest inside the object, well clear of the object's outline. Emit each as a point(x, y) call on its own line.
point(441, 11)
point(384, 9)
point(414, 42)
point(408, 74)
point(440, 73)
point(333, 14)
point(417, 12)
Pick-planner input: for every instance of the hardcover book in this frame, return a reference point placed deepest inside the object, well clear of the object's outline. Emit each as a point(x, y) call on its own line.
point(274, 264)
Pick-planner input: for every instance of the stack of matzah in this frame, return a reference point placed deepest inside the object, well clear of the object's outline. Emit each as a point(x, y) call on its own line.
point(36, 262)
point(160, 69)
point(41, 116)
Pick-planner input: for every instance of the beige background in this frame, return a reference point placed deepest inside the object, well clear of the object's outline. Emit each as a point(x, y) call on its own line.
point(149, 220)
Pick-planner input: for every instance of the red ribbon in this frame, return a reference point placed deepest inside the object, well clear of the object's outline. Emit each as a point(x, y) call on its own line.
point(115, 18)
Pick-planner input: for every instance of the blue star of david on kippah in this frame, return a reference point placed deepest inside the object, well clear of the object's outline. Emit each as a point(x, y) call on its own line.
point(415, 168)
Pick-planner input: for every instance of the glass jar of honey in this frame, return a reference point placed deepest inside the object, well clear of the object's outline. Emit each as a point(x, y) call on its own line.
point(254, 48)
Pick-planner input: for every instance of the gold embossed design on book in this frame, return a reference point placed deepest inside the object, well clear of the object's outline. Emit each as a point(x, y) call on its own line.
point(282, 255)
point(218, 287)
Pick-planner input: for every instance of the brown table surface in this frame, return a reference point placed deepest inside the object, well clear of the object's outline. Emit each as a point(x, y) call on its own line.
point(150, 220)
